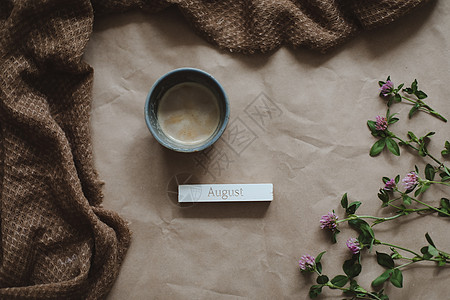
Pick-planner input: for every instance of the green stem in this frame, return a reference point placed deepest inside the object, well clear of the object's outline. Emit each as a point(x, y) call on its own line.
point(436, 160)
point(412, 252)
point(426, 106)
point(395, 199)
point(371, 295)
point(418, 201)
point(438, 182)
point(405, 143)
point(354, 217)
point(445, 253)
point(398, 247)
point(411, 210)
point(431, 207)
point(417, 149)
point(408, 99)
point(406, 264)
point(414, 260)
point(381, 220)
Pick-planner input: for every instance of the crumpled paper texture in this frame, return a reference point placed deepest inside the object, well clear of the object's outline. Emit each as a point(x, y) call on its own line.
point(298, 120)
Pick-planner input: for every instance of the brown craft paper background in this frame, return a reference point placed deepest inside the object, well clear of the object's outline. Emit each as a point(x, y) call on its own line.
point(298, 120)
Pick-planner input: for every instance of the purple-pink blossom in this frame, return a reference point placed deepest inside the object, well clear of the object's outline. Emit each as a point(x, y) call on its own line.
point(307, 262)
point(328, 221)
point(381, 123)
point(390, 185)
point(353, 245)
point(387, 88)
point(410, 181)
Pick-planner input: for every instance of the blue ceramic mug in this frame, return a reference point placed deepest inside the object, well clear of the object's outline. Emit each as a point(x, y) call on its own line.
point(187, 110)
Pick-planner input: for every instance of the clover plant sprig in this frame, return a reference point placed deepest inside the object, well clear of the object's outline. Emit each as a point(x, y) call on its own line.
point(345, 282)
point(400, 197)
point(392, 94)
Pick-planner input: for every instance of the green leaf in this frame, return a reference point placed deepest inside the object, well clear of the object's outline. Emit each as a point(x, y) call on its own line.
point(445, 206)
point(412, 136)
point(422, 150)
point(353, 207)
point(429, 172)
point(392, 146)
point(359, 224)
point(371, 124)
point(406, 200)
point(334, 235)
point(414, 86)
point(413, 110)
point(447, 171)
point(315, 291)
point(422, 189)
point(339, 280)
point(385, 260)
point(397, 97)
point(429, 240)
point(384, 197)
point(408, 90)
point(319, 257)
point(417, 192)
point(322, 279)
point(367, 235)
point(445, 178)
point(352, 268)
point(344, 201)
point(446, 151)
point(426, 254)
point(433, 251)
point(319, 267)
point(420, 94)
point(378, 147)
point(392, 121)
point(354, 286)
point(397, 278)
point(382, 278)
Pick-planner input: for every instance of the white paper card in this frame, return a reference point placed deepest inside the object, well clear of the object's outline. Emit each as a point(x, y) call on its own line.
point(225, 192)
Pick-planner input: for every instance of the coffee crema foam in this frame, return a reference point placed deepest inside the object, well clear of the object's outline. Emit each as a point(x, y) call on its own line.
point(188, 113)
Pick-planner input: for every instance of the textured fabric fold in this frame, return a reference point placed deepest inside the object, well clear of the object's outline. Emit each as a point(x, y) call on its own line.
point(57, 241)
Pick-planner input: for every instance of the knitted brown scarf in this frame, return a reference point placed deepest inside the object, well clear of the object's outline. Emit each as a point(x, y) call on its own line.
point(57, 242)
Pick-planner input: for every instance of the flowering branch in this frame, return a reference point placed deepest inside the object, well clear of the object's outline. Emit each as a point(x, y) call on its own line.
point(390, 195)
point(344, 282)
point(392, 94)
point(411, 182)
